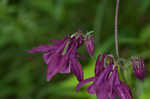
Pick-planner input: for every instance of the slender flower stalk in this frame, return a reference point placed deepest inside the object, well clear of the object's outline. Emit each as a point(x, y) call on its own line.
point(116, 30)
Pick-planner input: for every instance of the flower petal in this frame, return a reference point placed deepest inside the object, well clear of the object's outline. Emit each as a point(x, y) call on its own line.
point(104, 84)
point(113, 81)
point(83, 82)
point(61, 47)
point(102, 91)
point(123, 91)
point(91, 89)
point(104, 76)
point(99, 67)
point(55, 65)
point(89, 44)
point(43, 48)
point(114, 78)
point(77, 69)
point(46, 57)
point(66, 69)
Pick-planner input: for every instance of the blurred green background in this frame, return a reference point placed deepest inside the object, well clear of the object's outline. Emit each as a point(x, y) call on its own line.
point(25, 24)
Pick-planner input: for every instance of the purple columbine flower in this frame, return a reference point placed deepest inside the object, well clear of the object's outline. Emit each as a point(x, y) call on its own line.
point(106, 82)
point(62, 57)
point(101, 82)
point(123, 91)
point(89, 44)
point(139, 68)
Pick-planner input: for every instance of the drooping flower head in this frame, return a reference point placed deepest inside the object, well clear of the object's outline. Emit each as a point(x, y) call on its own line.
point(61, 57)
point(89, 43)
point(106, 81)
point(138, 67)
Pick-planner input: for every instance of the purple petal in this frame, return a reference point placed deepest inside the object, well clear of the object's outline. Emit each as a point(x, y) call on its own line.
point(61, 47)
point(77, 69)
point(89, 44)
point(104, 76)
point(83, 82)
point(105, 83)
point(72, 49)
point(102, 91)
point(100, 65)
point(114, 78)
point(113, 96)
point(113, 81)
point(43, 48)
point(67, 68)
point(46, 57)
point(123, 91)
point(55, 65)
point(91, 89)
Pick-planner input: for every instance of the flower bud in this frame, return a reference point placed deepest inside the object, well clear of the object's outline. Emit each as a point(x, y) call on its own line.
point(139, 68)
point(89, 44)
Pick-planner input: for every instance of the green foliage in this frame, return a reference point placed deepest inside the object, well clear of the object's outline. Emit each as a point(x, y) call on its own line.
point(28, 23)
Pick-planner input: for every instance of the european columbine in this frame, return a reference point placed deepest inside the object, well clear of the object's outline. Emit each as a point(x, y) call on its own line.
point(138, 67)
point(62, 57)
point(106, 83)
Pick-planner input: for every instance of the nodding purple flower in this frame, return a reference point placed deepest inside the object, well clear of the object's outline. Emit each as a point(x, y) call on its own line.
point(139, 68)
point(62, 57)
point(101, 82)
point(123, 91)
point(106, 80)
point(89, 44)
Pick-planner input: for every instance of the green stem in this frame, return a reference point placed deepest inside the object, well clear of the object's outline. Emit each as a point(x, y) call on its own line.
point(116, 30)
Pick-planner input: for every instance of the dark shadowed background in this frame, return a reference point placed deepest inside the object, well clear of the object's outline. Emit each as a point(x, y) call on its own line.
point(25, 24)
